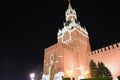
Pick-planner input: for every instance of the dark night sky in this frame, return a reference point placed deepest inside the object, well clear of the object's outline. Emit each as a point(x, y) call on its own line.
point(29, 26)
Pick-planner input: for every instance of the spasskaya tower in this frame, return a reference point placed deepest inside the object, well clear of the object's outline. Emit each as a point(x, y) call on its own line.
point(68, 57)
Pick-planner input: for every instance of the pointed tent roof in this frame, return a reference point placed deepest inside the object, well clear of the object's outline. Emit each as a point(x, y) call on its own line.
point(69, 6)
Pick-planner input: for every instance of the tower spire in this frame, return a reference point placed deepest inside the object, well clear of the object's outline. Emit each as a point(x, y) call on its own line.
point(69, 6)
point(70, 13)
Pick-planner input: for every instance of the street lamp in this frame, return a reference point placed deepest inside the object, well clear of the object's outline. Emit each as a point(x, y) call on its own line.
point(32, 76)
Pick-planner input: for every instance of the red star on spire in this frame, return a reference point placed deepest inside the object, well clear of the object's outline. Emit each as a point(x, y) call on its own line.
point(69, 1)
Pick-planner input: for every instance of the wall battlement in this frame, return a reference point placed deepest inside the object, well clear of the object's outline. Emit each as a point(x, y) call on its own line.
point(51, 47)
point(57, 45)
point(107, 48)
point(67, 47)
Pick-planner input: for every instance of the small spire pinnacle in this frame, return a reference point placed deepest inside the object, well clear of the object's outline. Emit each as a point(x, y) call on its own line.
point(69, 6)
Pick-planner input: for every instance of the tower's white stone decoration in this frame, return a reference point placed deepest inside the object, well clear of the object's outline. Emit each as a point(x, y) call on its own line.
point(71, 23)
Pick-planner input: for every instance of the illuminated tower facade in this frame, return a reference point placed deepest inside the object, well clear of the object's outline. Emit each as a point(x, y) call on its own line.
point(69, 55)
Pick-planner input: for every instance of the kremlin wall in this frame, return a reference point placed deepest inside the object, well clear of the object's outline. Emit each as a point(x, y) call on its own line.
point(110, 55)
point(71, 55)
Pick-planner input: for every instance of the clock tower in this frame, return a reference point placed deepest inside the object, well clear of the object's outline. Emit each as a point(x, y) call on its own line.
point(69, 56)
